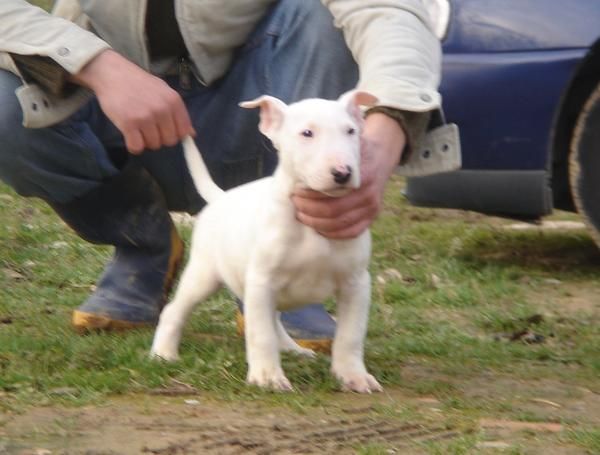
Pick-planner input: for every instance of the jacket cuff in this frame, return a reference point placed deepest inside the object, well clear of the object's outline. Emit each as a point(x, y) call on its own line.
point(414, 125)
point(44, 71)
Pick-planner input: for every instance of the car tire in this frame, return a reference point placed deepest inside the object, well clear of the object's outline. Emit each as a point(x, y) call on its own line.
point(584, 164)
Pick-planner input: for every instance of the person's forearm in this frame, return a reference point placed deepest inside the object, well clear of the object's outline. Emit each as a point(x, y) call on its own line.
point(100, 72)
point(387, 139)
point(414, 125)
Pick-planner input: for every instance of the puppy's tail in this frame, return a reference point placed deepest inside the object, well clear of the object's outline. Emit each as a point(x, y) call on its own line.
point(203, 182)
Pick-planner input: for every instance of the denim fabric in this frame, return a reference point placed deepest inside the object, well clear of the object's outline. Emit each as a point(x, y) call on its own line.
point(294, 53)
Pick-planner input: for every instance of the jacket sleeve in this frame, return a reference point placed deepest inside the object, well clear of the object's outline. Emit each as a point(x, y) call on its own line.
point(399, 57)
point(31, 31)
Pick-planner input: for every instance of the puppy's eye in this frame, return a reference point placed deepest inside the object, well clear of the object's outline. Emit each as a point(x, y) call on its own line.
point(351, 131)
point(307, 133)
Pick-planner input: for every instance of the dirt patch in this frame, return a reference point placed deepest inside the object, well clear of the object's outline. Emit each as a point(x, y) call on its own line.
point(158, 425)
point(561, 298)
point(543, 400)
point(392, 422)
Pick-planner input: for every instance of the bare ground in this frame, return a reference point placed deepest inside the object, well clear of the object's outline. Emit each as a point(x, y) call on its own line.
point(195, 425)
point(393, 422)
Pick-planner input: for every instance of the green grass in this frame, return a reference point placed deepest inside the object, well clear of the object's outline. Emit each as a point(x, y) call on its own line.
point(451, 325)
point(464, 282)
point(587, 438)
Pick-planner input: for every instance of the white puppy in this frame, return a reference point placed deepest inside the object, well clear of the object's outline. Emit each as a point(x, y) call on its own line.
point(249, 239)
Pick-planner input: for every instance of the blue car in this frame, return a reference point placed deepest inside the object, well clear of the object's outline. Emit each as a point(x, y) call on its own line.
point(521, 78)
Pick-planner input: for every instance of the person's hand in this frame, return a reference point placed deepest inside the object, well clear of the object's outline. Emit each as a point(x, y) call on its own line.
point(383, 141)
point(148, 112)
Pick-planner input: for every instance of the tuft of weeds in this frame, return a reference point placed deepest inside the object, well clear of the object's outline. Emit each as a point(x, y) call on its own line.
point(588, 438)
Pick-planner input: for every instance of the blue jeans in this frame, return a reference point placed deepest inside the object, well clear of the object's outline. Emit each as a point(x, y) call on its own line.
point(294, 53)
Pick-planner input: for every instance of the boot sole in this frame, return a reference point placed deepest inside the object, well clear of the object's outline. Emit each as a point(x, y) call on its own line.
point(84, 322)
point(318, 345)
point(90, 322)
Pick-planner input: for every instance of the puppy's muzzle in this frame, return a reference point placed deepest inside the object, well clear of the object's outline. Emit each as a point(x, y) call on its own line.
point(341, 174)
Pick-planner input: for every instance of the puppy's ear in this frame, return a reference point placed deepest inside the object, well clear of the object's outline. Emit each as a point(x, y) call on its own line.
point(352, 101)
point(272, 111)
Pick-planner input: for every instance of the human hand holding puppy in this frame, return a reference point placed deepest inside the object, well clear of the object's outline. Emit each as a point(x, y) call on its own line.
point(348, 216)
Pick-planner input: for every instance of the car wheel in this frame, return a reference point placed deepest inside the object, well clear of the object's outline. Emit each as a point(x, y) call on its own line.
point(584, 164)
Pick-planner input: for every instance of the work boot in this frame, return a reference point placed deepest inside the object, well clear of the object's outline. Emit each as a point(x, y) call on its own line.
point(311, 326)
point(130, 213)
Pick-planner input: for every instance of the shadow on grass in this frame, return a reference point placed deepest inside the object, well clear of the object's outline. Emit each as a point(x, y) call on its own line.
point(568, 253)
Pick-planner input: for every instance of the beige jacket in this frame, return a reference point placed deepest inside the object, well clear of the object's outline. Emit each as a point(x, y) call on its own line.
point(398, 55)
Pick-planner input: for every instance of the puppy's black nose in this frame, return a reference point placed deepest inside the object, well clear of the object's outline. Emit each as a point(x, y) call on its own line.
point(341, 174)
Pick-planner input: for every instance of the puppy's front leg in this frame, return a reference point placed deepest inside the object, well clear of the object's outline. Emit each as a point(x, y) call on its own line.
point(347, 362)
point(262, 343)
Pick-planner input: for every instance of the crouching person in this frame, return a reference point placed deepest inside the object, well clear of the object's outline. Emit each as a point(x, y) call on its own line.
point(96, 97)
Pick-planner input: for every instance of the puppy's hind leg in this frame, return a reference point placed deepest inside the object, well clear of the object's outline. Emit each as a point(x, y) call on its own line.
point(197, 283)
point(287, 343)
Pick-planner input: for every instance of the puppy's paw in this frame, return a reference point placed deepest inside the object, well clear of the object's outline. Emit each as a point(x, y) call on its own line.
point(357, 381)
point(164, 354)
point(269, 379)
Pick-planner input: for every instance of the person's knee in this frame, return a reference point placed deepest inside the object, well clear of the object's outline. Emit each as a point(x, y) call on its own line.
point(314, 22)
point(11, 129)
point(41, 162)
point(11, 115)
point(311, 56)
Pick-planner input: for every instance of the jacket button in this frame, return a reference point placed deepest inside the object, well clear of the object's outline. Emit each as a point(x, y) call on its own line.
point(63, 51)
point(425, 97)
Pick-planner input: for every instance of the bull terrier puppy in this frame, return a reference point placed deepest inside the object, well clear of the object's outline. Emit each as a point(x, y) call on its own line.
point(248, 239)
